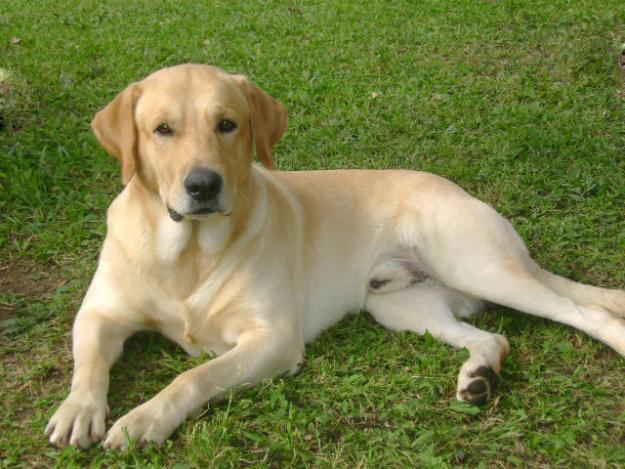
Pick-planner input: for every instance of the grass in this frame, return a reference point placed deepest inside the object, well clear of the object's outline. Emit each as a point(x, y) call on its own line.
point(520, 102)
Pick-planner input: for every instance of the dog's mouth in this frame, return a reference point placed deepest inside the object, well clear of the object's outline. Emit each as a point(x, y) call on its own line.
point(176, 216)
point(204, 211)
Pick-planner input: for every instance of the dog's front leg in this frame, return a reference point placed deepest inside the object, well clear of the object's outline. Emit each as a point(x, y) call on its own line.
point(259, 353)
point(97, 343)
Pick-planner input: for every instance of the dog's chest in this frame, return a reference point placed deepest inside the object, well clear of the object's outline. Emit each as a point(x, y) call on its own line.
point(182, 280)
point(197, 312)
point(194, 324)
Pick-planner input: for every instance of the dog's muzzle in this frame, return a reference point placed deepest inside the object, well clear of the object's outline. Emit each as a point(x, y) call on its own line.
point(203, 186)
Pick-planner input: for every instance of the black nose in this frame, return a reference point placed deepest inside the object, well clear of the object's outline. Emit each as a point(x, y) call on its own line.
point(203, 184)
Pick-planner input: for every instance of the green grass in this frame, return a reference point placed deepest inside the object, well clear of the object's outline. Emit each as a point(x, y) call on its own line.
point(520, 102)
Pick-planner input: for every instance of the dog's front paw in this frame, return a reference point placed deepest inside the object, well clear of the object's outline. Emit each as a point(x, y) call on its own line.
point(478, 386)
point(146, 423)
point(78, 421)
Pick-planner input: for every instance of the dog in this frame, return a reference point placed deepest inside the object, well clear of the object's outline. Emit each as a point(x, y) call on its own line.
point(218, 253)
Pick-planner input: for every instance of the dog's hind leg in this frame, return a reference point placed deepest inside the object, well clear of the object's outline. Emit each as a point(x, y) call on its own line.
point(430, 307)
point(612, 300)
point(523, 291)
point(484, 257)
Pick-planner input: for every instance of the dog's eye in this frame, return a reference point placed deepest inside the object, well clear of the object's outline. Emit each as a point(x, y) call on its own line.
point(226, 125)
point(164, 129)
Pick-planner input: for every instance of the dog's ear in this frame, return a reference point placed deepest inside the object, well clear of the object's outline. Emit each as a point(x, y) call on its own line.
point(268, 118)
point(116, 130)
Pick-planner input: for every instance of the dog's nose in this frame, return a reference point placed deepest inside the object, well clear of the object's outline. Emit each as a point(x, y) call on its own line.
point(203, 184)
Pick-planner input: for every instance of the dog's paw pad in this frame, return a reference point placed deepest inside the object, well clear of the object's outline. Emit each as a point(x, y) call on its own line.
point(481, 388)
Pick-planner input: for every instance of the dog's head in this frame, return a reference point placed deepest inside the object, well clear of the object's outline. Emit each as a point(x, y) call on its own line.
point(188, 133)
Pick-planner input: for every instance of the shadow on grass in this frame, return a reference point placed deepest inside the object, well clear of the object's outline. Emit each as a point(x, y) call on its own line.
point(149, 363)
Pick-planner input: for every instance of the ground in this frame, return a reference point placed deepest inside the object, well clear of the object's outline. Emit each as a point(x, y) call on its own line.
point(520, 102)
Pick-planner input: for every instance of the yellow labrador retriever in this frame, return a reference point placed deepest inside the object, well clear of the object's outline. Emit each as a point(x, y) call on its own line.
point(219, 254)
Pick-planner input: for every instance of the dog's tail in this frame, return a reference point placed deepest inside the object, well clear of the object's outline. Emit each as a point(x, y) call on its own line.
point(612, 300)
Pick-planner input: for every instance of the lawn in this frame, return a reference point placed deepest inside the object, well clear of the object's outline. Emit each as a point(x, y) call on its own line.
point(520, 102)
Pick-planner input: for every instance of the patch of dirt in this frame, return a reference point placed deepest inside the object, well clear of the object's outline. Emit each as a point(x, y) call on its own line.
point(26, 278)
point(6, 310)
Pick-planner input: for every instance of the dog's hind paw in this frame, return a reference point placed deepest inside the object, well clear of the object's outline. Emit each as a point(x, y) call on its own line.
point(479, 387)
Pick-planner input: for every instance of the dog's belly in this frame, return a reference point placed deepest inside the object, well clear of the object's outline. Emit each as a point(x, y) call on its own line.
point(333, 291)
point(328, 310)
